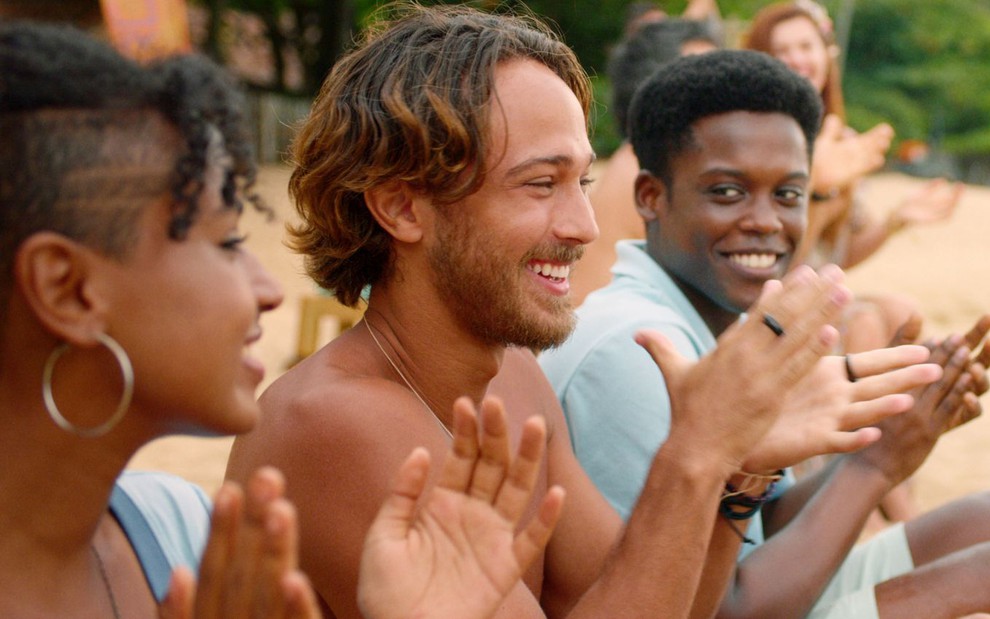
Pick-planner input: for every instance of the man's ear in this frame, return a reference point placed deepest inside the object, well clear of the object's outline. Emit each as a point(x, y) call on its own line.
point(53, 273)
point(397, 209)
point(651, 196)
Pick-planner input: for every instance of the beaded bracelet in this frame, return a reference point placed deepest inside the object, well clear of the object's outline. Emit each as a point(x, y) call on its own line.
point(748, 512)
point(751, 481)
point(734, 497)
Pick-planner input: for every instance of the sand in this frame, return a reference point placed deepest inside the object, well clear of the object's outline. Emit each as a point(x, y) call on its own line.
point(944, 267)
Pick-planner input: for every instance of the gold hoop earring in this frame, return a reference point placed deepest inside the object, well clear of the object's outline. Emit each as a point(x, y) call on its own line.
point(126, 372)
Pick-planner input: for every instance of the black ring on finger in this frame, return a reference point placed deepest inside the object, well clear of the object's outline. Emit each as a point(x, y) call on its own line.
point(772, 324)
point(849, 371)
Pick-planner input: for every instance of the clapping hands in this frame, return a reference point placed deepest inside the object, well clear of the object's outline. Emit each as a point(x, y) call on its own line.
point(450, 551)
point(726, 402)
point(453, 551)
point(843, 156)
point(934, 201)
point(250, 565)
point(828, 413)
point(939, 407)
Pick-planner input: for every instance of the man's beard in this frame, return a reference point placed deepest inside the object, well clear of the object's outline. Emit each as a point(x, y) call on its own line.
point(484, 293)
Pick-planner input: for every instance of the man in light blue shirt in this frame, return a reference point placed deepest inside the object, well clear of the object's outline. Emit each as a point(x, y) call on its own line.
point(724, 141)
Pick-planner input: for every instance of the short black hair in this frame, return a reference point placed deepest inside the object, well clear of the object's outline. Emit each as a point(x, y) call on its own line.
point(637, 57)
point(71, 106)
point(689, 89)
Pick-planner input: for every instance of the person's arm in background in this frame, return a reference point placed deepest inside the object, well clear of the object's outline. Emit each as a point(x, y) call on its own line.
point(934, 201)
point(842, 157)
point(825, 413)
point(702, 10)
point(611, 196)
point(811, 528)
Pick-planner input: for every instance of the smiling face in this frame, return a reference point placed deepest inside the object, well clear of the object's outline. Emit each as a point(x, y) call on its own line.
point(735, 212)
point(798, 43)
point(186, 310)
point(503, 255)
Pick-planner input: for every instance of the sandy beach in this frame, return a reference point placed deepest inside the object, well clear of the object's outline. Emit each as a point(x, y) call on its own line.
point(944, 267)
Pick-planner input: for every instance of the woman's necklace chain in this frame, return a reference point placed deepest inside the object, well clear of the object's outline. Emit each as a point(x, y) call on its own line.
point(406, 380)
point(106, 581)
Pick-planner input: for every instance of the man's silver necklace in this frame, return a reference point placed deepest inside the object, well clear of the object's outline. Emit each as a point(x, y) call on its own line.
point(106, 581)
point(406, 380)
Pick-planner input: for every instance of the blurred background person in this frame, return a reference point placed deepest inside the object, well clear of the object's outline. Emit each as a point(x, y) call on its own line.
point(128, 311)
point(841, 229)
point(652, 40)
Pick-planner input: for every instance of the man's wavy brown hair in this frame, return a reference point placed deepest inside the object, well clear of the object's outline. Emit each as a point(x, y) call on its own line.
point(409, 103)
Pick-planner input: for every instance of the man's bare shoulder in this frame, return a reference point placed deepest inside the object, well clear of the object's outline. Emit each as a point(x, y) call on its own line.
point(336, 404)
point(331, 407)
point(339, 431)
point(318, 394)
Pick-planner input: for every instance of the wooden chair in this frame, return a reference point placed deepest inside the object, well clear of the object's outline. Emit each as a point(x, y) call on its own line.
point(313, 310)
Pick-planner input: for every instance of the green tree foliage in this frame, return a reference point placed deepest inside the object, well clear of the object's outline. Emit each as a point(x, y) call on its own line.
point(317, 32)
point(922, 65)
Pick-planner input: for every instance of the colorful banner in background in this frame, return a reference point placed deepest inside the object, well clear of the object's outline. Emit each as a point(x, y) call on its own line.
point(147, 29)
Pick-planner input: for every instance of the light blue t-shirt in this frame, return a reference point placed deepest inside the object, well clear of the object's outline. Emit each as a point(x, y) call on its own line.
point(167, 521)
point(612, 392)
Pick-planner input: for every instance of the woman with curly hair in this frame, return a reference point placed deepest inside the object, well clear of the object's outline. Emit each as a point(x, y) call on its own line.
point(127, 307)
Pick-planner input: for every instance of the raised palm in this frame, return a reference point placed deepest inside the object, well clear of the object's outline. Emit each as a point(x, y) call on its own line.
point(454, 551)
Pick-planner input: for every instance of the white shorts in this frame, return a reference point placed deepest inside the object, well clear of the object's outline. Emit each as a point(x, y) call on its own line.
point(849, 595)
